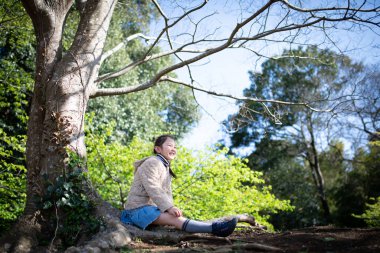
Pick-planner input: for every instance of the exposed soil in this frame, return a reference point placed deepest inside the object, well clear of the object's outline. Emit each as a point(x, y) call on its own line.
point(316, 239)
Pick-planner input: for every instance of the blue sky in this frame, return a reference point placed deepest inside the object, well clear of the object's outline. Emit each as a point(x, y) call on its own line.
point(227, 72)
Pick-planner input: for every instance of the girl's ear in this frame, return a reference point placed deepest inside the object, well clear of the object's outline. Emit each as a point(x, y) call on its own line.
point(157, 149)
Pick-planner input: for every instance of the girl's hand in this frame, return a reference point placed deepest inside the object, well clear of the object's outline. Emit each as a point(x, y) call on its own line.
point(174, 211)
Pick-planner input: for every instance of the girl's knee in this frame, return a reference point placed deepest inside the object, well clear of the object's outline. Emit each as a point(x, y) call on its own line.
point(168, 219)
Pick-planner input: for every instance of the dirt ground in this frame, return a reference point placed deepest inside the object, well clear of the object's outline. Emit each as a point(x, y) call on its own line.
point(316, 239)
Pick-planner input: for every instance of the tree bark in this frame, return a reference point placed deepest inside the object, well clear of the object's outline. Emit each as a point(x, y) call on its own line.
point(62, 86)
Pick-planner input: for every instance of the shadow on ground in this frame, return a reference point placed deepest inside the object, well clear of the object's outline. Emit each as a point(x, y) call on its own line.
point(245, 239)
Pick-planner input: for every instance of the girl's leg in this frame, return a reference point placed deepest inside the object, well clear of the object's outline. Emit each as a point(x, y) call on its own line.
point(168, 219)
point(222, 228)
point(184, 224)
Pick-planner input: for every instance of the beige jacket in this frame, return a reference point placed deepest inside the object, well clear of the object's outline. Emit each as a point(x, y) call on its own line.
point(151, 185)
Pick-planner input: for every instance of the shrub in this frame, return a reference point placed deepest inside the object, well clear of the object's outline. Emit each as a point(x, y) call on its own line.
point(208, 184)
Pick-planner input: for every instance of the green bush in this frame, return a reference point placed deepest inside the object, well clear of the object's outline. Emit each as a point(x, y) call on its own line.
point(208, 184)
point(372, 215)
point(110, 166)
point(12, 179)
point(69, 210)
point(214, 184)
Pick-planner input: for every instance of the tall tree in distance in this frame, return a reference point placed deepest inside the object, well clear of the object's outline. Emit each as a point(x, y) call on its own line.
point(307, 74)
point(66, 79)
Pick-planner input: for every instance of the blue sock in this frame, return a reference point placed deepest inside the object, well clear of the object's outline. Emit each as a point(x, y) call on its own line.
point(193, 226)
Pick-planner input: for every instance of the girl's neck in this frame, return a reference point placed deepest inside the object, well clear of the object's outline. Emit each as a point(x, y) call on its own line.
point(164, 160)
point(166, 164)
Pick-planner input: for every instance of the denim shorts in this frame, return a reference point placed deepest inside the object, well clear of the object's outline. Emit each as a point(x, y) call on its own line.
point(141, 217)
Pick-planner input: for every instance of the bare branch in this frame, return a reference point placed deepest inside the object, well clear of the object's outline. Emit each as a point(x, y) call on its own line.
point(334, 8)
point(242, 98)
point(168, 26)
point(183, 63)
point(133, 65)
point(121, 44)
point(207, 52)
point(235, 39)
point(121, 91)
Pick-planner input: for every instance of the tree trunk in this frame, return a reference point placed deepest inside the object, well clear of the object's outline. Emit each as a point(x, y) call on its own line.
point(313, 159)
point(63, 83)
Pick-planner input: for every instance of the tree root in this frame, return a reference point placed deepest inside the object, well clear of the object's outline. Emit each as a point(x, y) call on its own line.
point(114, 236)
point(117, 235)
point(22, 236)
point(246, 247)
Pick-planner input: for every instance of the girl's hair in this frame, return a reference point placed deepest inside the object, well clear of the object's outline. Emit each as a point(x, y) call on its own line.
point(158, 143)
point(161, 140)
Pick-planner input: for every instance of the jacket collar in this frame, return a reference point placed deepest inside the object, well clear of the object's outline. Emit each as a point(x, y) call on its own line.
point(163, 160)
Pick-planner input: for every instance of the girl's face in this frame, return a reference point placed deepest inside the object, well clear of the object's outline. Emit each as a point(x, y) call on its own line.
point(168, 149)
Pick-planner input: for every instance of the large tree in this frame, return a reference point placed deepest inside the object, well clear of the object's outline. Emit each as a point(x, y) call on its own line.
point(167, 112)
point(297, 133)
point(66, 80)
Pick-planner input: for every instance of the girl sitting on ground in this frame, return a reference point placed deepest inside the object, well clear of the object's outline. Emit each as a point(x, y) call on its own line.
point(150, 200)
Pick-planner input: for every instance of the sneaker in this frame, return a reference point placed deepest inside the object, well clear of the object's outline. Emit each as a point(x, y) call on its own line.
point(224, 228)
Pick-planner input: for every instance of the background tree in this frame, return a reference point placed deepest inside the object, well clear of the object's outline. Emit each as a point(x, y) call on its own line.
point(366, 106)
point(279, 161)
point(359, 124)
point(358, 187)
point(303, 139)
point(311, 74)
point(65, 80)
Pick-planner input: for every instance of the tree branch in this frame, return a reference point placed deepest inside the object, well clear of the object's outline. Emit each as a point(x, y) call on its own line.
point(207, 52)
point(183, 63)
point(168, 26)
point(228, 42)
point(121, 91)
point(242, 98)
point(121, 44)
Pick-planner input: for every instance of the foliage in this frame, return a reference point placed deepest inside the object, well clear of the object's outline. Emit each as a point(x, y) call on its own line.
point(286, 149)
point(208, 185)
point(215, 184)
point(358, 186)
point(16, 65)
point(110, 164)
point(66, 198)
point(372, 214)
point(12, 178)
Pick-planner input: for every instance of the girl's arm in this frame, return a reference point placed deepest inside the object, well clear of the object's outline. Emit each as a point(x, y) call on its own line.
point(151, 173)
